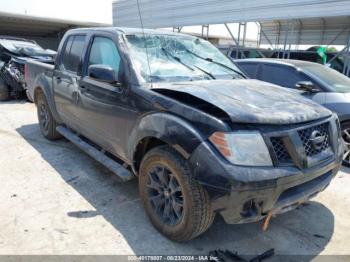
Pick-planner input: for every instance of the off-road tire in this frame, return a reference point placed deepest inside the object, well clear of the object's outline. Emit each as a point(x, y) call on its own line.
point(4, 91)
point(197, 214)
point(47, 123)
point(346, 127)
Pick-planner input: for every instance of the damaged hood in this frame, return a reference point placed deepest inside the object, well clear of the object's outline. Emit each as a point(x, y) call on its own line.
point(247, 100)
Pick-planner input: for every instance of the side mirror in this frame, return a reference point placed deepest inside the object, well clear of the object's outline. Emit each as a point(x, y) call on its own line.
point(306, 86)
point(102, 73)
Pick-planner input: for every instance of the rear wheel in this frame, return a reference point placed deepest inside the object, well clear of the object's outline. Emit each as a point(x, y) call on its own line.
point(29, 97)
point(46, 121)
point(345, 131)
point(177, 205)
point(4, 91)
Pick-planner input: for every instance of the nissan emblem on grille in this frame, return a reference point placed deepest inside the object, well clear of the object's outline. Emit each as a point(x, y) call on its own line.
point(317, 139)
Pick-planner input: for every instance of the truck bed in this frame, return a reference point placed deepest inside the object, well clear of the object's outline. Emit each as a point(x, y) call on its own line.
point(33, 70)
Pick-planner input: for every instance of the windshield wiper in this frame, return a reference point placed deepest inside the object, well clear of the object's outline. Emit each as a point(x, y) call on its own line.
point(215, 62)
point(167, 53)
point(205, 72)
point(178, 59)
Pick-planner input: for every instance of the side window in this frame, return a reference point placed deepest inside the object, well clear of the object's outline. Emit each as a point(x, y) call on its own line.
point(104, 52)
point(233, 54)
point(66, 51)
point(281, 75)
point(73, 52)
point(249, 68)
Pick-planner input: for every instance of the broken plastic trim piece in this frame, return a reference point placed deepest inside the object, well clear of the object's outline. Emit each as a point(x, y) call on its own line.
point(266, 221)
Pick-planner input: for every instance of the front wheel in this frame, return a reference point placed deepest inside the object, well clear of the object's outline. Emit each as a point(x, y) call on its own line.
point(345, 131)
point(177, 205)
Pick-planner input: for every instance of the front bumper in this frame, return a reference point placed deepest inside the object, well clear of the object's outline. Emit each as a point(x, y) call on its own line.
point(246, 194)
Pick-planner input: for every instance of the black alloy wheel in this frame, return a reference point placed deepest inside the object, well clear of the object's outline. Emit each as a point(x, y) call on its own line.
point(47, 122)
point(176, 204)
point(44, 117)
point(165, 195)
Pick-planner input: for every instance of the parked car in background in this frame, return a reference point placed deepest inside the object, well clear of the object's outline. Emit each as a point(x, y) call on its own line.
point(248, 52)
point(317, 82)
point(175, 112)
point(14, 53)
point(310, 55)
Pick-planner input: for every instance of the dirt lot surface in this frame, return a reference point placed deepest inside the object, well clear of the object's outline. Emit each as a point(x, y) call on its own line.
point(54, 199)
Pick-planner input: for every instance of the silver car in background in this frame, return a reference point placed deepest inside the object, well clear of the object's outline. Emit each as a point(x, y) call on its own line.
point(320, 83)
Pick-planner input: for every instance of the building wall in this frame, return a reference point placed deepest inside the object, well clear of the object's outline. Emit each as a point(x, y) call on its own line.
point(46, 42)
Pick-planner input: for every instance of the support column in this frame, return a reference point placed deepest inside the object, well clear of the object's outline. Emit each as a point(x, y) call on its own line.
point(207, 28)
point(346, 69)
point(286, 39)
point(238, 40)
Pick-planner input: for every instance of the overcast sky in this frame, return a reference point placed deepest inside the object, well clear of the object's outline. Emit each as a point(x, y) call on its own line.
point(82, 10)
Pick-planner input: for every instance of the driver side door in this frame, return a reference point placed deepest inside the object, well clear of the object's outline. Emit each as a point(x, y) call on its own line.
point(103, 110)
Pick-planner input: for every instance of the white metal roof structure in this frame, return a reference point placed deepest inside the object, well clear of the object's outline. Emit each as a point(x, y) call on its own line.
point(25, 25)
point(41, 29)
point(306, 22)
point(175, 13)
point(282, 23)
point(311, 31)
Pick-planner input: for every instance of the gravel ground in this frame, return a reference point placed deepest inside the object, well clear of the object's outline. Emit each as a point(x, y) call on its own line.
point(56, 200)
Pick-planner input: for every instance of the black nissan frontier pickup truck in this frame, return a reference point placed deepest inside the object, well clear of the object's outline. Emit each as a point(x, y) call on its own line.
point(173, 111)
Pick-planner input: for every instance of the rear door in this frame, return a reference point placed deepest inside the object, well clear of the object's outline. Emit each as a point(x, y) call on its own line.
point(66, 80)
point(288, 76)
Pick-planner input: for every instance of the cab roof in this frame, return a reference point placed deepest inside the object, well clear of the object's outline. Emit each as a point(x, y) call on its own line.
point(128, 31)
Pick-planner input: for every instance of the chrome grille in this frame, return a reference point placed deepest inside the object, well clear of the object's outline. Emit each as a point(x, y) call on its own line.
point(305, 136)
point(280, 150)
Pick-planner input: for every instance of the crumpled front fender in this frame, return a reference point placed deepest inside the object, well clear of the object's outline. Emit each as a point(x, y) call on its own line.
point(171, 129)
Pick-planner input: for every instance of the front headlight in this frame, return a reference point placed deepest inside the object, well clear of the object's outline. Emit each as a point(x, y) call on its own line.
point(246, 148)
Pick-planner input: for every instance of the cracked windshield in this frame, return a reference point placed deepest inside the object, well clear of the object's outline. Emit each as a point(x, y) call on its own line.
point(174, 58)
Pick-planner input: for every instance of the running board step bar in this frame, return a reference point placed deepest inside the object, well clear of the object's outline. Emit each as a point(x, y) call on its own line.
point(99, 156)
